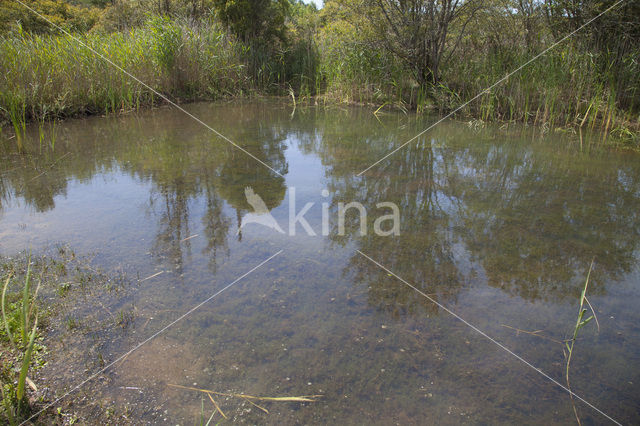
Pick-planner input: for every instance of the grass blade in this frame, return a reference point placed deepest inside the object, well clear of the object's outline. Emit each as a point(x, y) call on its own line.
point(4, 315)
point(25, 362)
point(25, 302)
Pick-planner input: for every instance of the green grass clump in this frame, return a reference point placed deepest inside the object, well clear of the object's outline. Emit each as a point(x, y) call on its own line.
point(20, 322)
point(49, 76)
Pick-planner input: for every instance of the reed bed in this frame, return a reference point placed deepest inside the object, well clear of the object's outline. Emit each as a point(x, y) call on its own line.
point(54, 76)
point(50, 76)
point(564, 88)
point(354, 71)
point(568, 87)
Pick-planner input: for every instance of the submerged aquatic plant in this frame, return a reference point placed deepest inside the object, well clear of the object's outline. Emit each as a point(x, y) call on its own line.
point(569, 344)
point(580, 322)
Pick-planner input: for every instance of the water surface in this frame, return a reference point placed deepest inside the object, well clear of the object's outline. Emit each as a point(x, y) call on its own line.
point(499, 225)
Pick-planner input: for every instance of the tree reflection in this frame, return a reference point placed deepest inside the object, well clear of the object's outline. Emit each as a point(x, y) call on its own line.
point(182, 172)
point(477, 208)
point(241, 171)
point(29, 178)
point(216, 228)
point(535, 220)
point(423, 254)
point(190, 171)
point(525, 219)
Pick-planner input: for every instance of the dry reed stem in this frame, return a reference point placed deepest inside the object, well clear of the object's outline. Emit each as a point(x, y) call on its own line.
point(303, 398)
point(215, 404)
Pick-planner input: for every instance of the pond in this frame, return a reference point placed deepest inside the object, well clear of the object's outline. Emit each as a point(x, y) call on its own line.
point(499, 225)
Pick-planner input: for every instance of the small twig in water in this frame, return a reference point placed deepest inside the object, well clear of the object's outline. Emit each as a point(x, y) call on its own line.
point(188, 238)
point(152, 276)
point(534, 333)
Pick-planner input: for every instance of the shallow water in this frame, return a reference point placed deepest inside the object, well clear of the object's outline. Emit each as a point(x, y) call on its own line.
point(498, 225)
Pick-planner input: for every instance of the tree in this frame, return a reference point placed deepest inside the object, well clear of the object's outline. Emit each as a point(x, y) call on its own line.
point(417, 31)
point(614, 27)
point(252, 20)
point(613, 37)
point(528, 11)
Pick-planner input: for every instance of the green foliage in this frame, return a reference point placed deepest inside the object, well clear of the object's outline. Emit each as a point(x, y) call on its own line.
point(254, 20)
point(167, 41)
point(354, 68)
point(17, 315)
point(562, 88)
point(302, 56)
point(573, 85)
point(14, 17)
point(123, 15)
point(260, 26)
point(26, 361)
point(6, 319)
point(418, 32)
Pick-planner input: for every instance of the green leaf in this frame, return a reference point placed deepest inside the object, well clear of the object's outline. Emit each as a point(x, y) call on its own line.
point(26, 361)
point(4, 316)
point(25, 301)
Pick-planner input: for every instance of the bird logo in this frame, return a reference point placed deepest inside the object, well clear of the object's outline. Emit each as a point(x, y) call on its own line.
point(260, 213)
